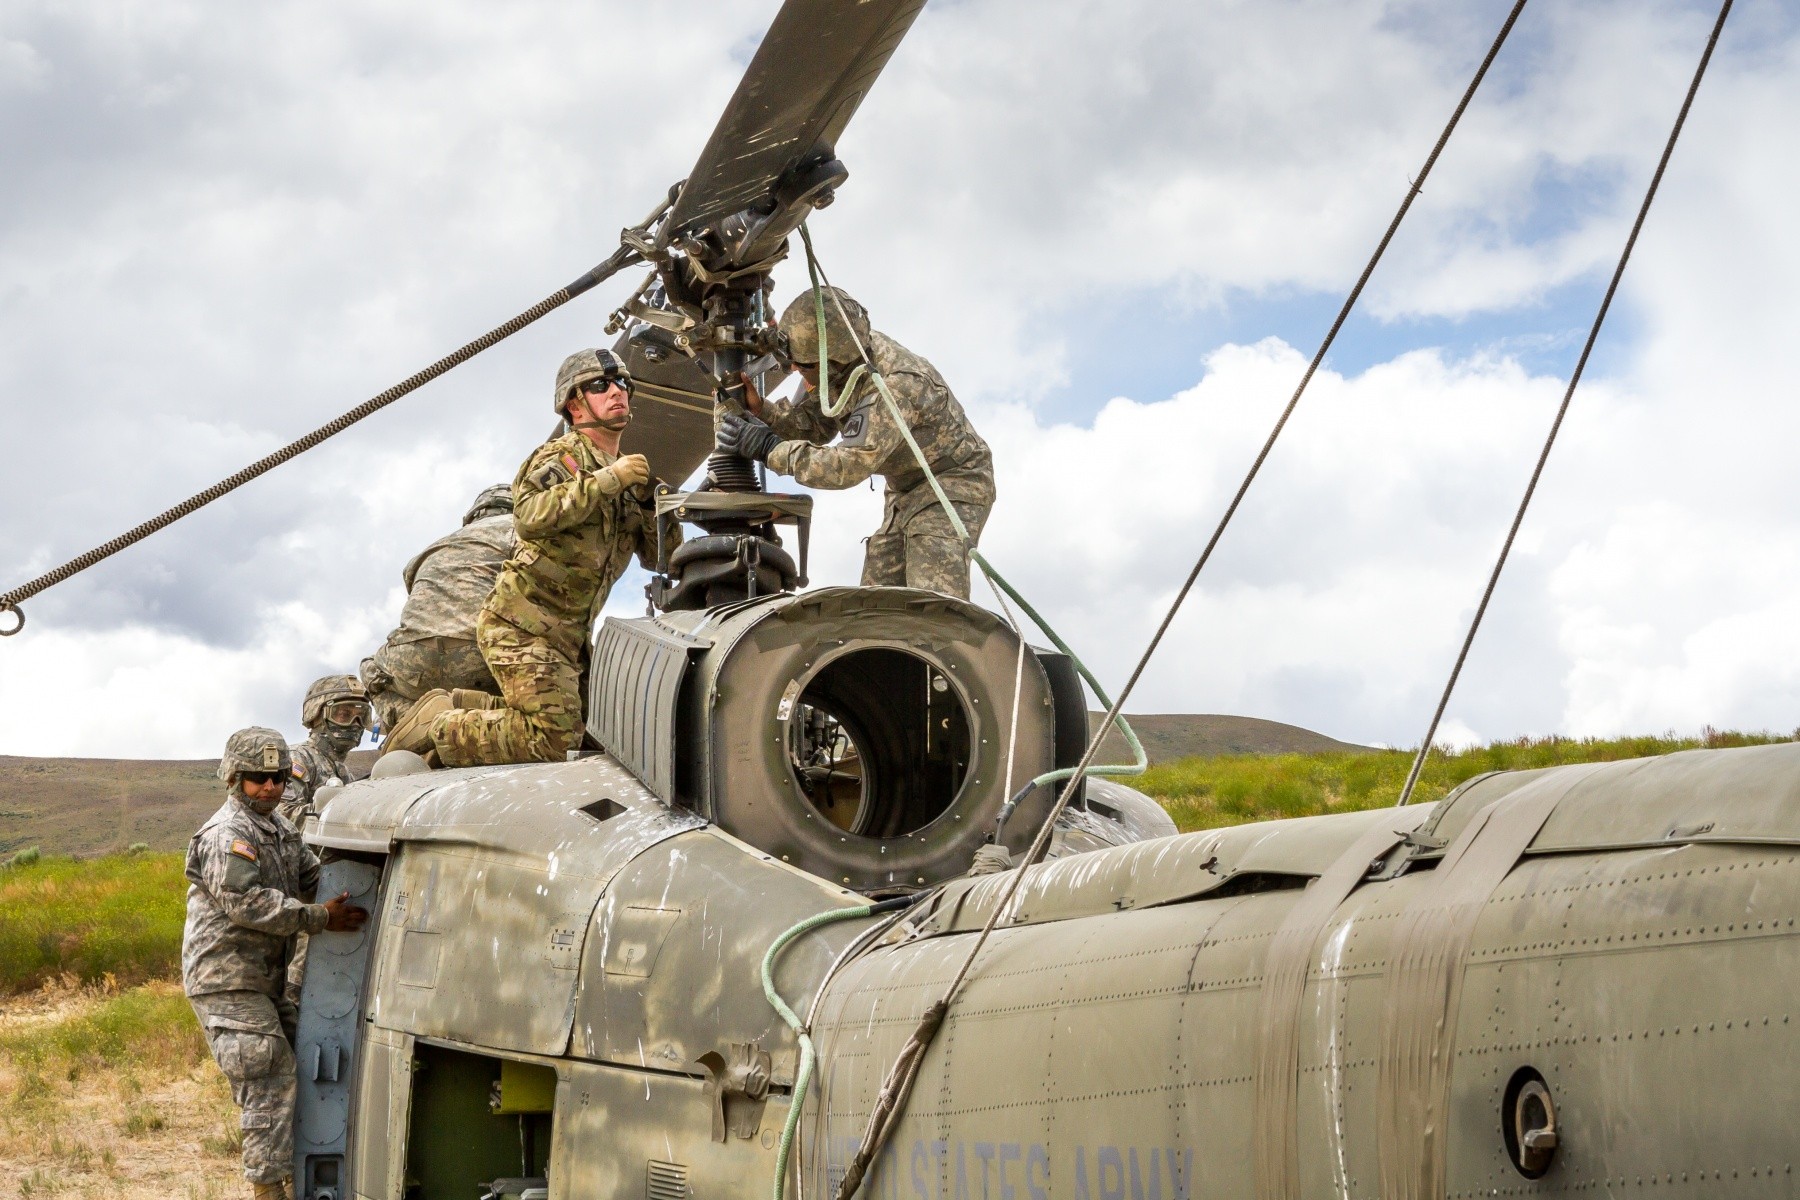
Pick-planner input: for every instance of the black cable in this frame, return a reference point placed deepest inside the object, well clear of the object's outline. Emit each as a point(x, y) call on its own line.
point(1418, 763)
point(896, 1087)
point(1412, 193)
point(9, 601)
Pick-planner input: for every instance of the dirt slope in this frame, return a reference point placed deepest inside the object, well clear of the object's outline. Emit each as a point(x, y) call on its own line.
point(92, 805)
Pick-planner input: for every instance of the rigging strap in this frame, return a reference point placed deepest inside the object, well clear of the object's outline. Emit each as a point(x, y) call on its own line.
point(1562, 410)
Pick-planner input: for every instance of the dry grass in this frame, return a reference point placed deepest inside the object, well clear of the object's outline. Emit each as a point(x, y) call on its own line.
point(109, 1092)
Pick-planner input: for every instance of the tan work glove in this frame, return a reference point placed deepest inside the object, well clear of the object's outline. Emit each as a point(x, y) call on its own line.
point(628, 472)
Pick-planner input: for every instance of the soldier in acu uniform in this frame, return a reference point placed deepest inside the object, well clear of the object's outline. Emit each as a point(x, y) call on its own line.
point(335, 713)
point(250, 883)
point(446, 585)
point(581, 511)
point(916, 545)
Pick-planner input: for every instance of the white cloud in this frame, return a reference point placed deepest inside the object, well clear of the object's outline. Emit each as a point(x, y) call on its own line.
point(224, 224)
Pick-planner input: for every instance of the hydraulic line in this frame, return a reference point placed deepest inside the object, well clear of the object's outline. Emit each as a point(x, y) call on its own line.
point(890, 1102)
point(1562, 410)
point(803, 1076)
point(10, 601)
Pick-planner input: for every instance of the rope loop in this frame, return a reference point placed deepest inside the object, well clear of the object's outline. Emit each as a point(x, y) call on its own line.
point(16, 611)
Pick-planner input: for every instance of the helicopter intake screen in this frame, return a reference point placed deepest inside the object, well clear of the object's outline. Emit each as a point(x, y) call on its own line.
point(879, 742)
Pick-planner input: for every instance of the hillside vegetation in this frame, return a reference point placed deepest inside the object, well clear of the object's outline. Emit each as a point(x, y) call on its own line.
point(89, 920)
point(1205, 793)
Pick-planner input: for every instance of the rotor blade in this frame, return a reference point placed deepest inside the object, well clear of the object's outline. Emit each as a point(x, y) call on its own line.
point(814, 66)
point(671, 411)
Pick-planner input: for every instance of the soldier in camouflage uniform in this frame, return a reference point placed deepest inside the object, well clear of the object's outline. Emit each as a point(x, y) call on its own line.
point(250, 886)
point(446, 585)
point(335, 714)
point(916, 545)
point(581, 511)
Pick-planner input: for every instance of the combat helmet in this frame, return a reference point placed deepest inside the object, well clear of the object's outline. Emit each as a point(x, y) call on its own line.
point(490, 503)
point(584, 365)
point(254, 749)
point(801, 325)
point(329, 690)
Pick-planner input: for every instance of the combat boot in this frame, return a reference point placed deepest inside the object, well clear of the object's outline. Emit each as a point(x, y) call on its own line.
point(413, 731)
point(474, 698)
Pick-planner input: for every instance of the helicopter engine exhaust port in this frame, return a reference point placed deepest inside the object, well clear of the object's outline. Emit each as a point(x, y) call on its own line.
point(878, 742)
point(859, 734)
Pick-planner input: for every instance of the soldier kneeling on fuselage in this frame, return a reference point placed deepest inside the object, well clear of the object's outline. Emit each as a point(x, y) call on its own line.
point(251, 881)
point(581, 509)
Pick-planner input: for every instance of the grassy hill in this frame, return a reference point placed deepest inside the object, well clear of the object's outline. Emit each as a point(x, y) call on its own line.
point(1169, 736)
point(1203, 793)
point(88, 806)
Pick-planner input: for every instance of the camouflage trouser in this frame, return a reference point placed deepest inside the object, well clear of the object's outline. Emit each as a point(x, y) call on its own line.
point(400, 672)
point(921, 550)
point(541, 720)
point(251, 1036)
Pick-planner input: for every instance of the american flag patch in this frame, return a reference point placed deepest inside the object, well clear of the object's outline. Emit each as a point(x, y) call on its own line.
point(568, 461)
point(244, 850)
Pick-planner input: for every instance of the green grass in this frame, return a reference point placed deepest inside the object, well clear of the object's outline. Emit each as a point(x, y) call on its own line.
point(117, 916)
point(1205, 793)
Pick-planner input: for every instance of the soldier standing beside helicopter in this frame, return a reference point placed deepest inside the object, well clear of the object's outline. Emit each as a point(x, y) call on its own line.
point(916, 545)
point(581, 511)
point(250, 885)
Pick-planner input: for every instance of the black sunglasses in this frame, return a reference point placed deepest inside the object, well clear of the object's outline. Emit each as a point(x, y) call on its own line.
point(262, 777)
point(596, 387)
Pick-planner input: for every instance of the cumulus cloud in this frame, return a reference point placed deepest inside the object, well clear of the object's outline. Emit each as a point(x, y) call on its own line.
point(225, 224)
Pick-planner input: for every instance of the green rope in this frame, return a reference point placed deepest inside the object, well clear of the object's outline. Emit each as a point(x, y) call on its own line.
point(802, 1078)
point(825, 405)
point(1140, 760)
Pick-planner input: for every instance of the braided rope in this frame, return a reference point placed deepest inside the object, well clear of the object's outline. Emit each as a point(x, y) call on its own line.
point(9, 601)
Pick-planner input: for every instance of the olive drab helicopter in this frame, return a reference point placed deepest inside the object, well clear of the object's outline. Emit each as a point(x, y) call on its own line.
point(739, 950)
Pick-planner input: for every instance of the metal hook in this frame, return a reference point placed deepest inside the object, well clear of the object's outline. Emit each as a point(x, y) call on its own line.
point(16, 611)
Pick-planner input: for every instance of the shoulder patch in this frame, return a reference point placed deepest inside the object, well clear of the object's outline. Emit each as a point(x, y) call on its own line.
point(549, 476)
point(856, 428)
point(299, 770)
point(244, 850)
point(568, 460)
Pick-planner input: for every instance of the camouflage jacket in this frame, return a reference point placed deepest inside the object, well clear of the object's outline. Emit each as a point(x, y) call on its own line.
point(577, 533)
point(449, 580)
point(315, 766)
point(869, 441)
point(250, 886)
